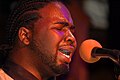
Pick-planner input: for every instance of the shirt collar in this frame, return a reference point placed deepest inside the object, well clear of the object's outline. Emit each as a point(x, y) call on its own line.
point(17, 72)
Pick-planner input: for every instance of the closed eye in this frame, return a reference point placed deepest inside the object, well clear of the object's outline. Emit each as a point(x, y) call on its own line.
point(60, 25)
point(64, 24)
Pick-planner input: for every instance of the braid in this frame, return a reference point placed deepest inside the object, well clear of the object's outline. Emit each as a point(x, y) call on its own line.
point(24, 13)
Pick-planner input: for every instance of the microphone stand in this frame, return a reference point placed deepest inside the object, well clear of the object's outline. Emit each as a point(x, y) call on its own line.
point(114, 55)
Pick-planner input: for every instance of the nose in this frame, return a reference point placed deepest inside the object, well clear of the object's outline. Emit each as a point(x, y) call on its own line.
point(70, 39)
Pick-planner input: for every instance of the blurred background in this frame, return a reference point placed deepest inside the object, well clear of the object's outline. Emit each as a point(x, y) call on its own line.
point(96, 19)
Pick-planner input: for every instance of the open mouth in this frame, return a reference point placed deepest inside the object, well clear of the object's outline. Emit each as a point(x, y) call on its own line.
point(65, 52)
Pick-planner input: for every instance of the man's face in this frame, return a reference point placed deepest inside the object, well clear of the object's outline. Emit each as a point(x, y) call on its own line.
point(53, 39)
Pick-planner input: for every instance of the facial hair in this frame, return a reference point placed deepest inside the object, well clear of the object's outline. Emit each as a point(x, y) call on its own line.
point(46, 56)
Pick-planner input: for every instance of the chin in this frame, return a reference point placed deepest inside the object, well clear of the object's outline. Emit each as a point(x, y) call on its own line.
point(61, 69)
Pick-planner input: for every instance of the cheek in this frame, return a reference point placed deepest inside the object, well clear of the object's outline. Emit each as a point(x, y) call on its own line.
point(54, 38)
point(53, 41)
point(49, 39)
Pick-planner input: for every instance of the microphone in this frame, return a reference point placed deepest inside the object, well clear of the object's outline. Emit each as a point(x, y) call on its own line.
point(91, 51)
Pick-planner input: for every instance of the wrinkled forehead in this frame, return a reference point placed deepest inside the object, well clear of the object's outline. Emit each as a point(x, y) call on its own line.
point(56, 10)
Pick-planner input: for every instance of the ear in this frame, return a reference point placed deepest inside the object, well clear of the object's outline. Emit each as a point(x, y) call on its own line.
point(24, 35)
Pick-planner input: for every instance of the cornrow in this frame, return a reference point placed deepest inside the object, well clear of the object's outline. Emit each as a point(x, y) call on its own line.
point(24, 13)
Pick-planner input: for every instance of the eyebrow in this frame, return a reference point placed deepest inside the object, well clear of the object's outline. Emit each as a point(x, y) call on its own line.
point(65, 24)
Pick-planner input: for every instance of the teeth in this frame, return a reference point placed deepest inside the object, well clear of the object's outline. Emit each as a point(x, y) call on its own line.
point(66, 55)
point(65, 52)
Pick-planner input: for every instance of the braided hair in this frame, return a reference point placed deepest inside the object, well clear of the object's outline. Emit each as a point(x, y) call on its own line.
point(25, 13)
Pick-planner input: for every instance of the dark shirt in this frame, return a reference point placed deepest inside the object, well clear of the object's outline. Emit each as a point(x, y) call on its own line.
point(17, 72)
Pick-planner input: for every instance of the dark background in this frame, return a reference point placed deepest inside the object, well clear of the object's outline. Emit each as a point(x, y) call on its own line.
point(104, 68)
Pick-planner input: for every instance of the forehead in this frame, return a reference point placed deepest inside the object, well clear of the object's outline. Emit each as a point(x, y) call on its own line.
point(56, 10)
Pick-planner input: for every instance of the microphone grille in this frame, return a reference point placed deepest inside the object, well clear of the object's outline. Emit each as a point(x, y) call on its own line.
point(86, 49)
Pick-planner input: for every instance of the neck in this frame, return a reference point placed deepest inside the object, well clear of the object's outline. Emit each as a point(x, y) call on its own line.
point(34, 66)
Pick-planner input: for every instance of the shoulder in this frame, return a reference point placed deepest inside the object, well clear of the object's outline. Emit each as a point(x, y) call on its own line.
point(4, 76)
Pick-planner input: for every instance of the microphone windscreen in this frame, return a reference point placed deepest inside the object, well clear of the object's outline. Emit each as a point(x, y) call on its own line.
point(85, 50)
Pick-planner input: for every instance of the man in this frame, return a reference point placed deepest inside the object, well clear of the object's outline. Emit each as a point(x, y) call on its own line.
point(42, 40)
